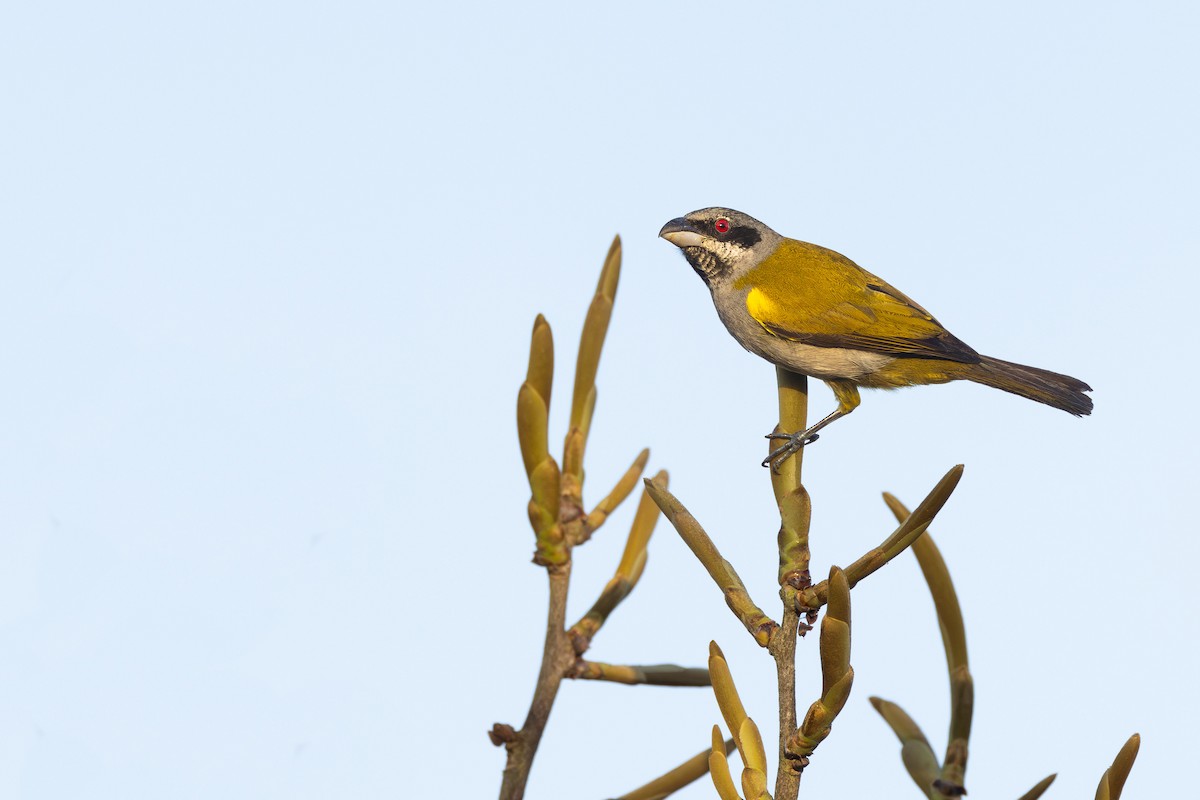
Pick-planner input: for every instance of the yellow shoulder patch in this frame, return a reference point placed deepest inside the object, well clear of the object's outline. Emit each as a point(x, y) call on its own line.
point(761, 308)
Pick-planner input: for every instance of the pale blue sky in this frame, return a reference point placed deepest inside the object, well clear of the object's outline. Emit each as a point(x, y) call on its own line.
point(268, 272)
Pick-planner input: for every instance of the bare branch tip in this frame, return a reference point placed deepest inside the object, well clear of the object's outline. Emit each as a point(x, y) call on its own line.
point(1039, 788)
point(611, 271)
point(658, 492)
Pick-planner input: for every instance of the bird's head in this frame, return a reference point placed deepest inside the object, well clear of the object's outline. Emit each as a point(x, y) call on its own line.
point(721, 244)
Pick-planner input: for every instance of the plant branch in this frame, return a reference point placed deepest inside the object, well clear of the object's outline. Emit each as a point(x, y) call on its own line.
point(783, 649)
point(952, 776)
point(795, 517)
point(629, 571)
point(737, 598)
point(591, 343)
point(557, 516)
point(795, 507)
point(624, 486)
point(557, 658)
point(651, 675)
point(1112, 782)
point(745, 735)
point(671, 782)
point(908, 532)
point(1039, 788)
point(915, 750)
point(837, 676)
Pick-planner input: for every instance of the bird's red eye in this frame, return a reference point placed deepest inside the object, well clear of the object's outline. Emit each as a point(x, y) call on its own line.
point(722, 225)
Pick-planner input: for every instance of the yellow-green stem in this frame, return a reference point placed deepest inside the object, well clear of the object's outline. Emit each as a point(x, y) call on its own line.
point(795, 515)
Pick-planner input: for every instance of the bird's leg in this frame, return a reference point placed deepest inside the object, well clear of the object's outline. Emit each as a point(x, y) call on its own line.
point(848, 400)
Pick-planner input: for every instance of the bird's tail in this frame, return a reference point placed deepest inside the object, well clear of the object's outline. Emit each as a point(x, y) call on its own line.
point(1051, 388)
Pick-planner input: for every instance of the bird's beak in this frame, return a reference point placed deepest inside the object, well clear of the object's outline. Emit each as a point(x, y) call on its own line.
point(681, 233)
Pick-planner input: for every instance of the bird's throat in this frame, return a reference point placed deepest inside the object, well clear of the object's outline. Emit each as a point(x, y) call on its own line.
point(706, 263)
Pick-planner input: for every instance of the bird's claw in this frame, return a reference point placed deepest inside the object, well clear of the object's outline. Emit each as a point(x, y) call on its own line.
point(795, 443)
point(789, 436)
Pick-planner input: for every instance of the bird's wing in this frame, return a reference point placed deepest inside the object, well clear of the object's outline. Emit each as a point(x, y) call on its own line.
point(808, 294)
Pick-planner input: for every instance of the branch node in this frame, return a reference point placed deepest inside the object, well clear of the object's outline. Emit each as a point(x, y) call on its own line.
point(949, 789)
point(502, 734)
point(579, 642)
point(797, 579)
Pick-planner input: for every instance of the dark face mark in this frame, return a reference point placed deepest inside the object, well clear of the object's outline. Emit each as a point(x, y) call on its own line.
point(744, 236)
point(741, 235)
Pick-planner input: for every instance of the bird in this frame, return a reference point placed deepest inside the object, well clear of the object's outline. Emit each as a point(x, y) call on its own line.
point(813, 311)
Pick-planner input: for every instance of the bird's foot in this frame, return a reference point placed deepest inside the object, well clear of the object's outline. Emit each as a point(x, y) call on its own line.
point(795, 442)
